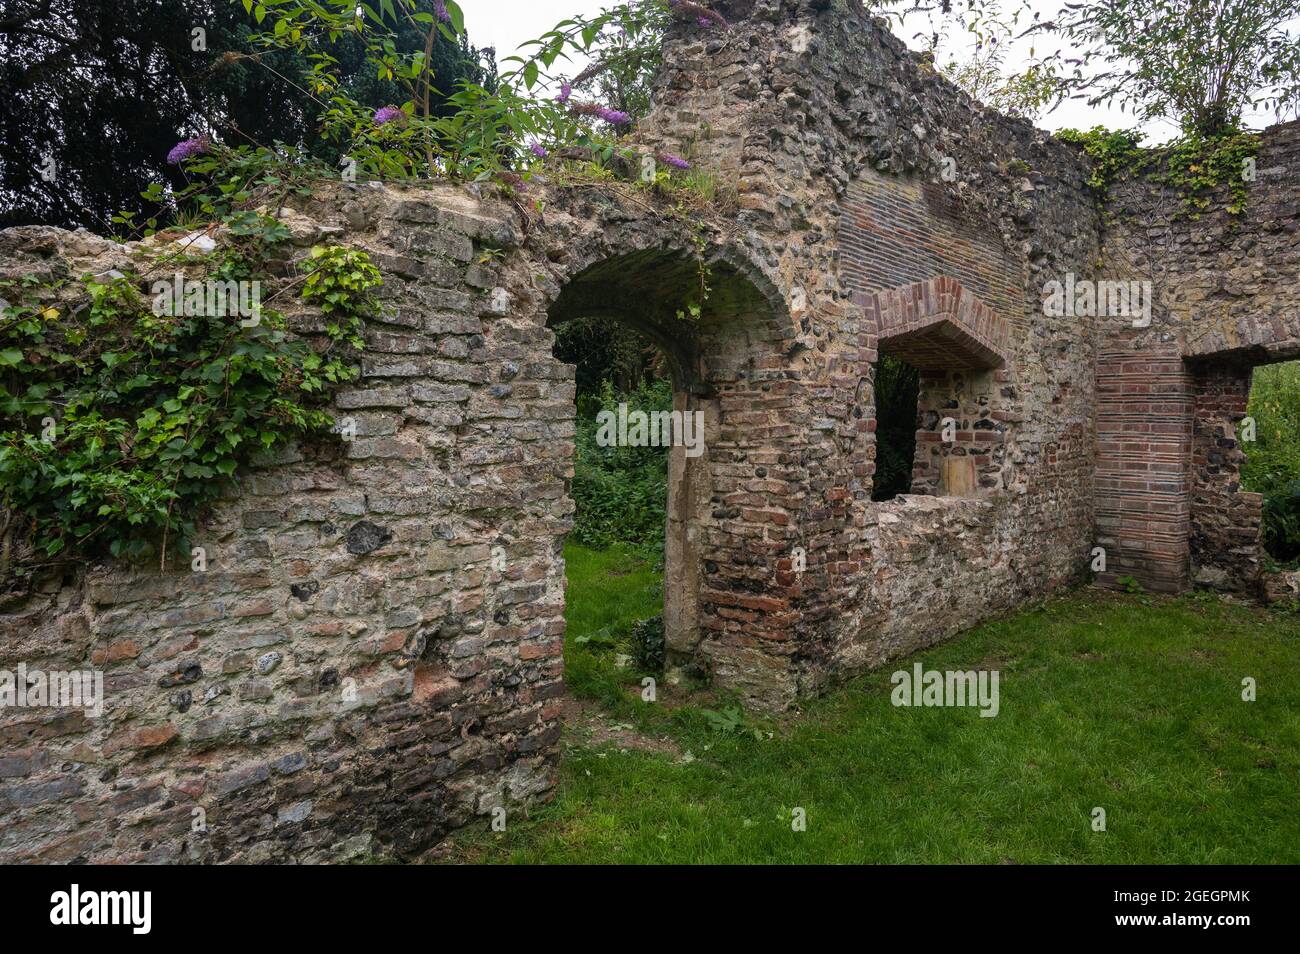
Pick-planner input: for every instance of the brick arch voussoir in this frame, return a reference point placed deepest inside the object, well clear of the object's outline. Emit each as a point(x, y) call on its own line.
point(742, 288)
point(939, 323)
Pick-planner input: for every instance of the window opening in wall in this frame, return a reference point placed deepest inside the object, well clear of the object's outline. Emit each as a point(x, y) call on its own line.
point(897, 386)
point(1270, 437)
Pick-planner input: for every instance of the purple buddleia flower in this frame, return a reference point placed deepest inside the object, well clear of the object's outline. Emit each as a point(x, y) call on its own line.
point(668, 159)
point(537, 149)
point(386, 115)
point(188, 149)
point(615, 117)
point(565, 92)
point(440, 11)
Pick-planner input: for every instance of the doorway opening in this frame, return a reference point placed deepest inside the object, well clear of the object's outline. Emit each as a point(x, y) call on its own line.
point(669, 357)
point(615, 553)
point(1245, 471)
point(1271, 468)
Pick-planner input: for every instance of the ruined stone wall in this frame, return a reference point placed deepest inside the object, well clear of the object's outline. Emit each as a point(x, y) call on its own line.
point(828, 103)
point(373, 653)
point(1224, 283)
point(351, 674)
point(1226, 292)
point(356, 672)
point(373, 656)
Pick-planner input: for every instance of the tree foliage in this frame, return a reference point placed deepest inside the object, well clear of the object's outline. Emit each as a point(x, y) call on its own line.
point(1200, 63)
point(984, 72)
point(487, 131)
point(104, 88)
point(604, 349)
point(621, 493)
point(626, 44)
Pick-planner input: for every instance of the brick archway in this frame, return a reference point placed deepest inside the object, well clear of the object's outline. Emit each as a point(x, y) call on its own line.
point(712, 617)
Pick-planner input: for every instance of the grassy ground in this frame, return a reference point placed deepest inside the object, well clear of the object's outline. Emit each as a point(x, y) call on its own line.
point(608, 591)
point(1120, 702)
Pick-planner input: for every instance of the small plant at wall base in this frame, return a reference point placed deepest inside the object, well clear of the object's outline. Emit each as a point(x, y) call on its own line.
point(119, 425)
point(1280, 524)
point(648, 647)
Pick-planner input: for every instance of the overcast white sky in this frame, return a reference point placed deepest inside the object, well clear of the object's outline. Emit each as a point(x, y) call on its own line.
point(504, 24)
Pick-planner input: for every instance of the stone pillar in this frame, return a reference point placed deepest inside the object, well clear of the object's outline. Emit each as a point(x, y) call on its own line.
point(688, 510)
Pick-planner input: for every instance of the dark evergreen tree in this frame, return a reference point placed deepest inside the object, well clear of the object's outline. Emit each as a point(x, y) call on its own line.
point(96, 92)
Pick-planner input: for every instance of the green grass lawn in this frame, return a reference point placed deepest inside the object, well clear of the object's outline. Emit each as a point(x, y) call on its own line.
point(1121, 702)
point(608, 591)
